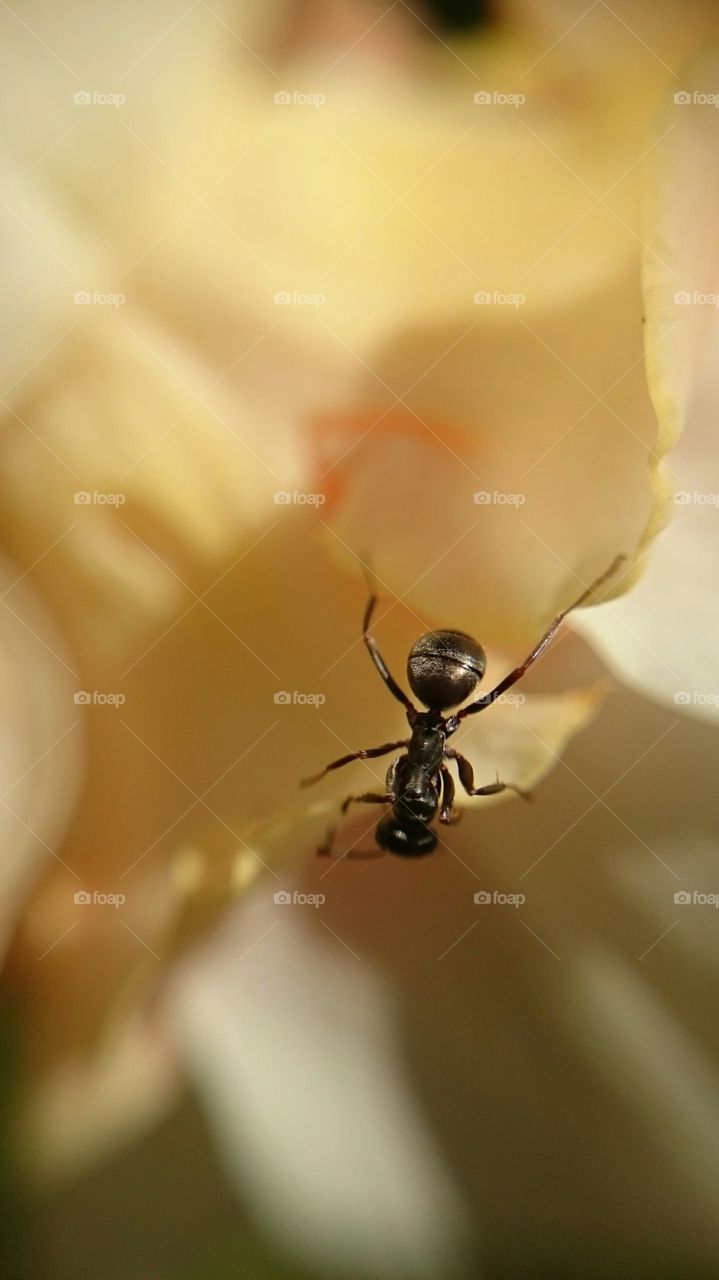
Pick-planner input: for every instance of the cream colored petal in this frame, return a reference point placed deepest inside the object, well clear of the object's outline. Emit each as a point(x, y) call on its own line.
point(91, 1108)
point(168, 910)
point(204, 754)
point(47, 256)
point(275, 1089)
point(431, 249)
point(109, 397)
point(366, 215)
point(394, 200)
point(88, 1044)
point(522, 737)
point(484, 496)
point(42, 741)
point(600, 45)
point(131, 456)
point(619, 995)
point(89, 106)
point(661, 639)
point(96, 107)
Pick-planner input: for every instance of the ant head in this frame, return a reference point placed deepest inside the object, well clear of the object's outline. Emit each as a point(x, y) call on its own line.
point(444, 667)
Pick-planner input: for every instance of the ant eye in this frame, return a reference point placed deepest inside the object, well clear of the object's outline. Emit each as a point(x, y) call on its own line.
point(444, 667)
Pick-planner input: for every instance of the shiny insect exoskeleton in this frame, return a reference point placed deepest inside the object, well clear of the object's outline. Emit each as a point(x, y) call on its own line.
point(443, 669)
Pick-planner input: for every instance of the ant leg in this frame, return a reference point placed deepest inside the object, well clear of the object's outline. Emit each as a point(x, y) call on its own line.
point(487, 699)
point(466, 777)
point(326, 850)
point(377, 658)
point(367, 754)
point(448, 814)
point(369, 797)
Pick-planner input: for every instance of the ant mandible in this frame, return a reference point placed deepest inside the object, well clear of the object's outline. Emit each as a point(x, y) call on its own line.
point(443, 668)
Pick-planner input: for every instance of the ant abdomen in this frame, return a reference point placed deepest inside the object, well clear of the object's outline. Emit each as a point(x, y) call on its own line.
point(410, 841)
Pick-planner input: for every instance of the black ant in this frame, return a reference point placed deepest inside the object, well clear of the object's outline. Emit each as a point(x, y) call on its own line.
point(443, 668)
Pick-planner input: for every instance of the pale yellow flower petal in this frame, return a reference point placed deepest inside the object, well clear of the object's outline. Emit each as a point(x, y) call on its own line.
point(519, 740)
point(485, 501)
point(394, 1208)
point(127, 457)
point(41, 748)
point(662, 638)
point(396, 200)
point(92, 1107)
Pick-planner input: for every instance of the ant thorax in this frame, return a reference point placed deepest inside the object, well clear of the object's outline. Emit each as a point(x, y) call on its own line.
point(427, 742)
